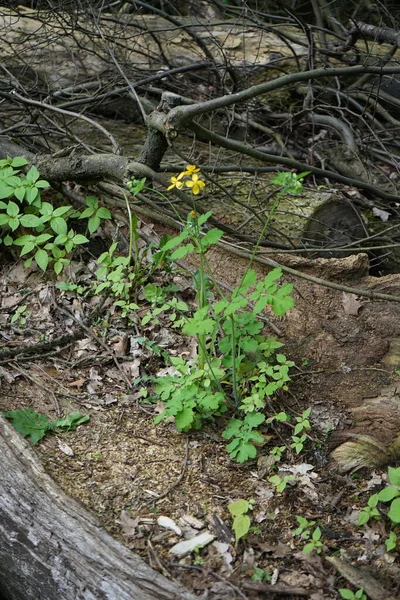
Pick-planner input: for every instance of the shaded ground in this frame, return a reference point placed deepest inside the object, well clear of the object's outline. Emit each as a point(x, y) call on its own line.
point(131, 472)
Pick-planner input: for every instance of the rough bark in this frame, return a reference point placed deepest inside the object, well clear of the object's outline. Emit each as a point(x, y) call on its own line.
point(51, 548)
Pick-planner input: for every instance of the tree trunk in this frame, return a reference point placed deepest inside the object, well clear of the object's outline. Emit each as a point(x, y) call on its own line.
point(53, 549)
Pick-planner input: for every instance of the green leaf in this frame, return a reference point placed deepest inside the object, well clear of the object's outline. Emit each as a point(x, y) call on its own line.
point(388, 494)
point(20, 193)
point(254, 419)
point(175, 241)
point(30, 221)
point(12, 209)
point(94, 223)
point(199, 324)
point(42, 259)
point(59, 225)
point(241, 526)
point(31, 194)
point(104, 213)
point(373, 500)
point(19, 161)
point(58, 267)
point(32, 175)
point(239, 507)
point(5, 190)
point(184, 419)
point(394, 476)
point(346, 594)
point(80, 239)
point(24, 239)
point(13, 224)
point(232, 429)
point(201, 219)
point(317, 534)
point(308, 548)
point(42, 184)
point(248, 280)
point(28, 247)
point(29, 423)
point(211, 237)
point(363, 518)
point(60, 211)
point(245, 451)
point(394, 512)
point(71, 421)
point(92, 201)
point(391, 541)
point(88, 212)
point(182, 251)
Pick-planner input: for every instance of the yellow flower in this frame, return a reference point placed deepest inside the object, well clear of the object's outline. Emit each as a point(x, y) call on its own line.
point(190, 170)
point(175, 182)
point(195, 184)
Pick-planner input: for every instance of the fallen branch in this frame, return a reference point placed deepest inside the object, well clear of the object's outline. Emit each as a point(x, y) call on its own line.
point(360, 579)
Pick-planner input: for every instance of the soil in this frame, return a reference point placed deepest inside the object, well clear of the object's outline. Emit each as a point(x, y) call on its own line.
point(132, 473)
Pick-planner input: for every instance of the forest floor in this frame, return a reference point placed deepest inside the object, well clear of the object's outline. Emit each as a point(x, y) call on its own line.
point(152, 487)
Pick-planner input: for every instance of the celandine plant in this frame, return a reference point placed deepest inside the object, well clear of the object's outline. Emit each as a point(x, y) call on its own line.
point(237, 368)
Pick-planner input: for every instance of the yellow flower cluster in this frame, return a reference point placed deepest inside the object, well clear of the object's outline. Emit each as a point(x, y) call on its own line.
point(194, 183)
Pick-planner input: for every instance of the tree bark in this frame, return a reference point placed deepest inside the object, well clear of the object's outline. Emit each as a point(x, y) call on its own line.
point(52, 548)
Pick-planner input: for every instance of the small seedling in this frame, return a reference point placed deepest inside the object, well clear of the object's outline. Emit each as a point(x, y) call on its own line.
point(349, 595)
point(94, 213)
point(198, 560)
point(21, 314)
point(391, 541)
point(302, 423)
point(278, 451)
point(280, 483)
point(370, 511)
point(391, 494)
point(244, 435)
point(261, 575)
point(298, 443)
point(241, 520)
point(304, 528)
point(315, 542)
point(34, 425)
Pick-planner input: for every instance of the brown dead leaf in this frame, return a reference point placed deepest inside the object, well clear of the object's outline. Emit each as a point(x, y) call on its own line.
point(96, 381)
point(84, 346)
point(128, 524)
point(78, 383)
point(278, 550)
point(351, 304)
point(10, 301)
point(119, 344)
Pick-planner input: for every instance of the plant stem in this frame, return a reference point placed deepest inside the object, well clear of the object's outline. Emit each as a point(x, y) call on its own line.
point(202, 302)
point(235, 390)
point(131, 236)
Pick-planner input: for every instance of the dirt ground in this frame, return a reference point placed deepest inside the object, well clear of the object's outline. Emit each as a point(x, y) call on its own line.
point(152, 487)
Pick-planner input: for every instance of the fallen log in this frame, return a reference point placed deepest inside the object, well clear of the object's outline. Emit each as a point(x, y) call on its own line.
point(52, 548)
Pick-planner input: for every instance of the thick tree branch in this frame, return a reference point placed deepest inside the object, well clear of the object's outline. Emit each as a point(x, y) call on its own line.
point(181, 116)
point(293, 164)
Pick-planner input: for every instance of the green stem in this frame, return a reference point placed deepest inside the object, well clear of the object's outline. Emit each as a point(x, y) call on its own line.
point(131, 236)
point(235, 390)
point(202, 302)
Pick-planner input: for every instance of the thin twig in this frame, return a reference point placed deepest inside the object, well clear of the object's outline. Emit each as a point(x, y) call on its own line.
point(177, 482)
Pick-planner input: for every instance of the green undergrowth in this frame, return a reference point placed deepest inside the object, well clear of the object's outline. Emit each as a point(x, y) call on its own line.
point(40, 229)
point(35, 425)
point(238, 370)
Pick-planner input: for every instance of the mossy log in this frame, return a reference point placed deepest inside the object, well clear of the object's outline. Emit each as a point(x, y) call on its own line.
point(53, 549)
point(323, 219)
